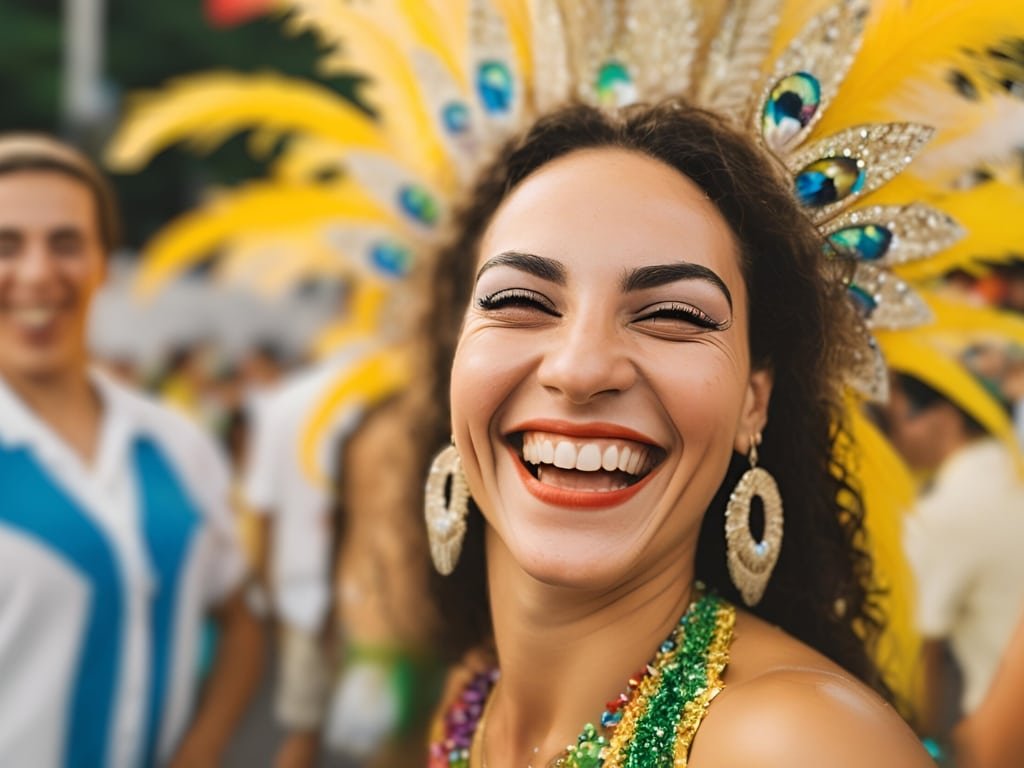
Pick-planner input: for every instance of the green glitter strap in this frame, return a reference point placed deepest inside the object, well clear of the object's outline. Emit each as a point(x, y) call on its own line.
point(667, 704)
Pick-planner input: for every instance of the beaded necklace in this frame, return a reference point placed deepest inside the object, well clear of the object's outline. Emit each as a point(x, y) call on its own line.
point(650, 725)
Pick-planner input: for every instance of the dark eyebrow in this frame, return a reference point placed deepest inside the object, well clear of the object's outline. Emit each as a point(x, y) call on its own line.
point(662, 274)
point(539, 266)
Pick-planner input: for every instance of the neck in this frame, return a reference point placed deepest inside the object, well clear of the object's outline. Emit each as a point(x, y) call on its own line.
point(66, 401)
point(565, 652)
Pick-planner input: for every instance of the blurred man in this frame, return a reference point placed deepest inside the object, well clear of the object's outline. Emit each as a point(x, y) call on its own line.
point(963, 541)
point(115, 533)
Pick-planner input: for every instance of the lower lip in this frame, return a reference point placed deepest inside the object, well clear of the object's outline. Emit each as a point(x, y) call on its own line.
point(562, 497)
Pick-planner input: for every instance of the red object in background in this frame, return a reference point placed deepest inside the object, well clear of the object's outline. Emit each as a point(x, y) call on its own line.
point(230, 13)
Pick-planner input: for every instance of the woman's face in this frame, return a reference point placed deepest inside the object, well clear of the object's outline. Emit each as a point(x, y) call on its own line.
point(602, 377)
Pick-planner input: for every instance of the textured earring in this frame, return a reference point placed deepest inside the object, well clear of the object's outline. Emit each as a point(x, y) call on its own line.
point(447, 504)
point(750, 561)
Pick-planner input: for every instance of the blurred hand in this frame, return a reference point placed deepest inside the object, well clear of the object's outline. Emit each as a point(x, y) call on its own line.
point(363, 711)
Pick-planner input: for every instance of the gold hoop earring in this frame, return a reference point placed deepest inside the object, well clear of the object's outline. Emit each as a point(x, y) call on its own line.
point(446, 507)
point(751, 561)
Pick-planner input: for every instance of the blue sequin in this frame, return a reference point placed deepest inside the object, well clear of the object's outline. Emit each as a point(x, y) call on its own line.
point(494, 84)
point(419, 204)
point(390, 258)
point(455, 116)
point(863, 300)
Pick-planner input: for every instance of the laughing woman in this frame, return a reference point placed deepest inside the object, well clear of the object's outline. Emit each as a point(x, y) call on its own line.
point(637, 328)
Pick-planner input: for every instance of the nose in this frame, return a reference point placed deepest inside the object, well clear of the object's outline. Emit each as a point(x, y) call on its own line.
point(36, 264)
point(585, 361)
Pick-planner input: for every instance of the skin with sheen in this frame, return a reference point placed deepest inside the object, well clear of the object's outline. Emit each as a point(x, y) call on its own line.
point(609, 314)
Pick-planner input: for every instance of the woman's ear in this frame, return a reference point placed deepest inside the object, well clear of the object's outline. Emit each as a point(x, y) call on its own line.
point(754, 415)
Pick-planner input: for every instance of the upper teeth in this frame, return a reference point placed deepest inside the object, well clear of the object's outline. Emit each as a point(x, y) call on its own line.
point(34, 317)
point(587, 455)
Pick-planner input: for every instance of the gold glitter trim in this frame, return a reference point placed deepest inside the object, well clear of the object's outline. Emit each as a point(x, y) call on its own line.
point(695, 709)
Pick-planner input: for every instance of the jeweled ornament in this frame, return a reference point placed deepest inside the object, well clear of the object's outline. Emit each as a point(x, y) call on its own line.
point(828, 180)
point(494, 84)
point(615, 86)
point(390, 258)
point(419, 204)
point(867, 243)
point(791, 106)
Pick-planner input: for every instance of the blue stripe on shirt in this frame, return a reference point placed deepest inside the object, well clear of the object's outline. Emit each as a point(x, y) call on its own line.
point(169, 522)
point(33, 504)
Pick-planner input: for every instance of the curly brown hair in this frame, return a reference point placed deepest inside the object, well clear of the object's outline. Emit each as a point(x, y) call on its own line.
point(800, 327)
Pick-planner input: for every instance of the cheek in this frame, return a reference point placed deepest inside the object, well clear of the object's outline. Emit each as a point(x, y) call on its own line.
point(484, 373)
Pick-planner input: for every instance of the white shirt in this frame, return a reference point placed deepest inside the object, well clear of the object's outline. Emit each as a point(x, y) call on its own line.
point(277, 483)
point(106, 571)
point(965, 541)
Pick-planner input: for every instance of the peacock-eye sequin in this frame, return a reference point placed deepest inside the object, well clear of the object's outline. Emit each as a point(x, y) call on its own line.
point(495, 87)
point(791, 105)
point(615, 87)
point(828, 180)
point(864, 243)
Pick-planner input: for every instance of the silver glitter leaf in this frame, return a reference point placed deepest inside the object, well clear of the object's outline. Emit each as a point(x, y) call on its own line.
point(736, 57)
point(881, 151)
point(825, 49)
point(918, 230)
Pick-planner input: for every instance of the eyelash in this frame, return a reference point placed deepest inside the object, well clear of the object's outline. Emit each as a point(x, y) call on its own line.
point(686, 313)
point(516, 297)
point(520, 297)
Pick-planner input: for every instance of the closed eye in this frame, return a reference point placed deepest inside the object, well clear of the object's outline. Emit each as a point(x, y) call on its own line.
point(681, 316)
point(518, 299)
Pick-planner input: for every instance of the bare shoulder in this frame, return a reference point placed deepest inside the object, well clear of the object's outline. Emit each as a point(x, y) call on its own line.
point(785, 705)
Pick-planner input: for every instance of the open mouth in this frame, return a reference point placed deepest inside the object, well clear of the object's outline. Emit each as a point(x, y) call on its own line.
point(585, 464)
point(34, 318)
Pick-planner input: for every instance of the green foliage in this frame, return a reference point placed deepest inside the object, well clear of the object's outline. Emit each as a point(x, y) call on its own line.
point(148, 43)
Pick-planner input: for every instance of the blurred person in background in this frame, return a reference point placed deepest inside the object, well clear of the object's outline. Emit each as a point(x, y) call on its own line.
point(293, 548)
point(391, 672)
point(115, 530)
point(963, 541)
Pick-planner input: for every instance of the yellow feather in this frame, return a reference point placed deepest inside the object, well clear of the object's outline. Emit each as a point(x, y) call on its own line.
point(922, 358)
point(262, 206)
point(973, 322)
point(360, 322)
point(990, 215)
point(887, 491)
point(209, 108)
point(366, 383)
point(910, 45)
point(361, 43)
point(270, 265)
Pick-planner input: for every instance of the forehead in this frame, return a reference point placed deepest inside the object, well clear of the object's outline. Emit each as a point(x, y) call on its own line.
point(45, 199)
point(613, 207)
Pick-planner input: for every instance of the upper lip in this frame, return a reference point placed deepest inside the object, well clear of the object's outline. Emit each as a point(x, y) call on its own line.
point(597, 429)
